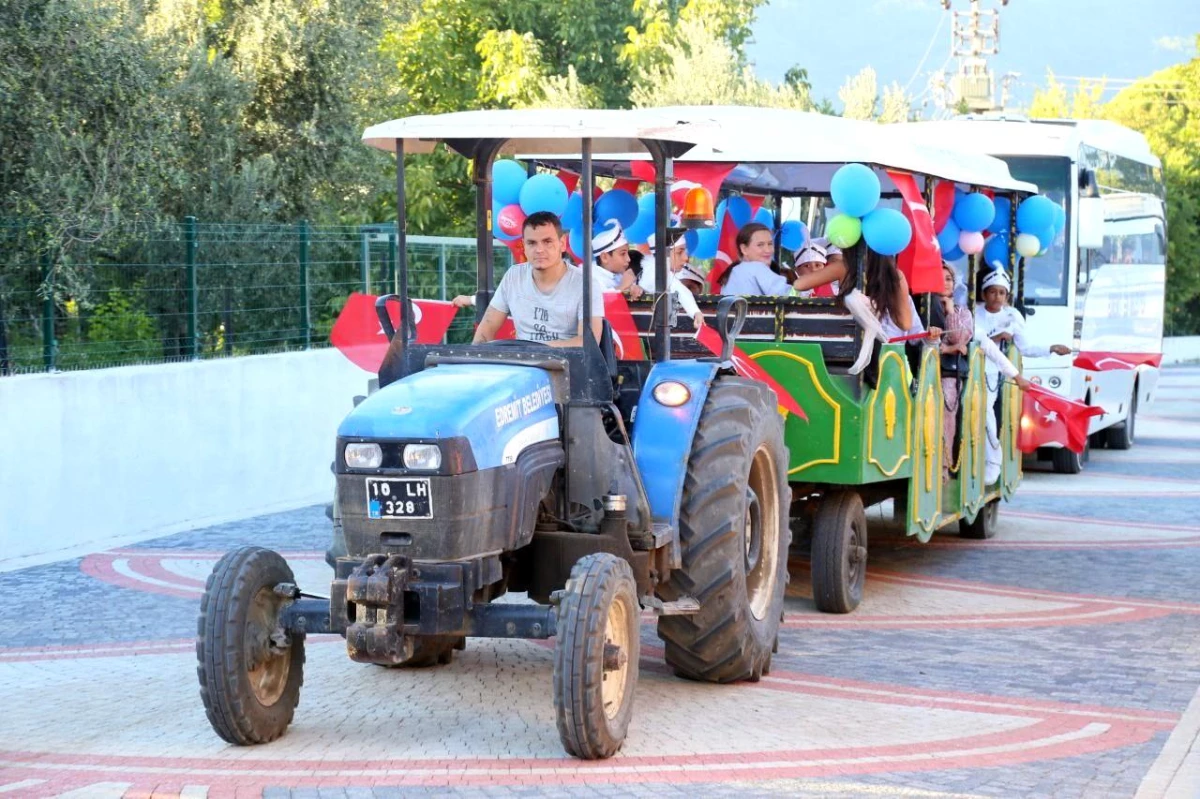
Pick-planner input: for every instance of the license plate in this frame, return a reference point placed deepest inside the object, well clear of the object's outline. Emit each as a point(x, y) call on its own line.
point(399, 498)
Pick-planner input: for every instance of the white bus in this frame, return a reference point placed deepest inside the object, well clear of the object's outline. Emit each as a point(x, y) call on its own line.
point(1100, 286)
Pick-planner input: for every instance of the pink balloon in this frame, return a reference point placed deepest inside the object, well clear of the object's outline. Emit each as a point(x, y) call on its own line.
point(511, 219)
point(970, 243)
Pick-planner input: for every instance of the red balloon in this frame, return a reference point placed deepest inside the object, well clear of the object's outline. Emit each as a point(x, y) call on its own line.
point(517, 246)
point(943, 204)
point(511, 219)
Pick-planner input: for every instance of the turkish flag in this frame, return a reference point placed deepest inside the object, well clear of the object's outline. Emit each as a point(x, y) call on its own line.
point(625, 333)
point(745, 366)
point(1107, 361)
point(727, 252)
point(630, 185)
point(1047, 418)
point(359, 336)
point(943, 204)
point(569, 179)
point(921, 260)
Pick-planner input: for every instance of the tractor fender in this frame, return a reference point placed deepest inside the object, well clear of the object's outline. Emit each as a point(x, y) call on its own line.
point(662, 436)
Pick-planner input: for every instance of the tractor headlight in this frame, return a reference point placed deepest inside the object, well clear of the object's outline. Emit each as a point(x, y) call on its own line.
point(363, 456)
point(672, 393)
point(425, 457)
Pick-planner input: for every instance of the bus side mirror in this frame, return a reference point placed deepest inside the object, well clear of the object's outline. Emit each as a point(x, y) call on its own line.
point(1091, 223)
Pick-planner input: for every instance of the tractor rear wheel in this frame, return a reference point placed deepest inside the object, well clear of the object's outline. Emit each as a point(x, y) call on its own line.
point(735, 535)
point(250, 669)
point(596, 655)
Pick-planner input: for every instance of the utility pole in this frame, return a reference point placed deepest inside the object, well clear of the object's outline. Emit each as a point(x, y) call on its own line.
point(975, 35)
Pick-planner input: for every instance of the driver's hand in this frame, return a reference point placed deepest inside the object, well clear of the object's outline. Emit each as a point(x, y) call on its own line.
point(464, 301)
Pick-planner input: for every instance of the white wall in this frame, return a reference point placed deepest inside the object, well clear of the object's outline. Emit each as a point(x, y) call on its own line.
point(1181, 349)
point(97, 458)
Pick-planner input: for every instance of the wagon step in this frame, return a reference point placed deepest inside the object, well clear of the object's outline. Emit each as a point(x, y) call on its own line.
point(684, 606)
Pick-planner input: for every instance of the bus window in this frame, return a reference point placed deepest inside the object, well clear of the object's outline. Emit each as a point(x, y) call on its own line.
point(1135, 248)
point(1045, 278)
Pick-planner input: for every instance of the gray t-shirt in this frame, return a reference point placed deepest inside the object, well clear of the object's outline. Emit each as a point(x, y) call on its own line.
point(540, 316)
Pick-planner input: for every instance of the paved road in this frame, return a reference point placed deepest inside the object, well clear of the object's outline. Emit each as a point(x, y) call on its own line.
point(1059, 659)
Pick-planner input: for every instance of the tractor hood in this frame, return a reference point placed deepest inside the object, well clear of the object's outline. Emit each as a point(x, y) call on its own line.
point(499, 409)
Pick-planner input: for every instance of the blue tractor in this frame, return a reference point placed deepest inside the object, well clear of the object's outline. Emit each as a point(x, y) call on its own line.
point(597, 487)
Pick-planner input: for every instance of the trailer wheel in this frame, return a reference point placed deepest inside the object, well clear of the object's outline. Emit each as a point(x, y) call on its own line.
point(1121, 436)
point(839, 553)
point(250, 670)
point(985, 522)
point(596, 656)
point(735, 535)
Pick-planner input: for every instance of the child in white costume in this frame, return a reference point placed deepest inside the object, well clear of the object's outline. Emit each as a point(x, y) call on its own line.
point(997, 321)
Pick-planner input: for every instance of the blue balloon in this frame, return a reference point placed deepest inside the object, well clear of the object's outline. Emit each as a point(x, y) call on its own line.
point(572, 216)
point(855, 189)
point(1047, 237)
point(792, 235)
point(1035, 214)
point(617, 204)
point(739, 211)
point(1060, 218)
point(974, 212)
point(702, 244)
point(544, 192)
point(576, 241)
point(765, 216)
point(948, 238)
point(507, 179)
point(886, 231)
point(1003, 213)
point(952, 254)
point(996, 251)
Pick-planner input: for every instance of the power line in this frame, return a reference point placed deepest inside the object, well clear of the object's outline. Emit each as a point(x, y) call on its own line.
point(928, 50)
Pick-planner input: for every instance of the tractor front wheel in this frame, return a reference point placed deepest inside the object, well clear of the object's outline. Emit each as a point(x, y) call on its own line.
point(596, 656)
point(250, 669)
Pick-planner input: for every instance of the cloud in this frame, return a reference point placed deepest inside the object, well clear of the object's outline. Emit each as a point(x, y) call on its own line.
point(1179, 43)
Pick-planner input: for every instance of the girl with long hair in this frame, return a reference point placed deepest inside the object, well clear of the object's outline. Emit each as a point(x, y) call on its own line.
point(751, 274)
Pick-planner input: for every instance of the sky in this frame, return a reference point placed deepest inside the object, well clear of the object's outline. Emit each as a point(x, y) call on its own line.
point(834, 39)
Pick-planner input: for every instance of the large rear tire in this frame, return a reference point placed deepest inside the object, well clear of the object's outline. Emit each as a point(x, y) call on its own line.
point(596, 656)
point(735, 535)
point(839, 553)
point(250, 670)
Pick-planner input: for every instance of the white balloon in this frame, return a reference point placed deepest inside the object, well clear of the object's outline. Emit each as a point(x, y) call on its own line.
point(1028, 245)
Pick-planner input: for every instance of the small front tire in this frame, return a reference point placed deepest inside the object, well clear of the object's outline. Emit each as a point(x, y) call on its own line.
point(839, 553)
point(596, 656)
point(984, 525)
point(250, 670)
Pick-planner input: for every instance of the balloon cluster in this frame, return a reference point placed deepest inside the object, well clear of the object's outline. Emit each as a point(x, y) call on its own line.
point(516, 195)
point(971, 216)
point(703, 244)
point(1040, 220)
point(856, 191)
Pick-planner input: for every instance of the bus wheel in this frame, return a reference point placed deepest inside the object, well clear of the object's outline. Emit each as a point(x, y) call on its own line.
point(1067, 461)
point(1121, 436)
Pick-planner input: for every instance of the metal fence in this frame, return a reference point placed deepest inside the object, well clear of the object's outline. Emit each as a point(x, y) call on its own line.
point(149, 294)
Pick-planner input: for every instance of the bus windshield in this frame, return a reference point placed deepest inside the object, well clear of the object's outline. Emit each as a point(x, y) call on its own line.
point(1046, 275)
